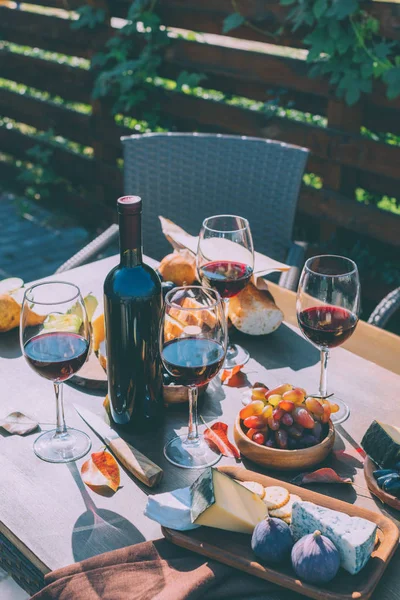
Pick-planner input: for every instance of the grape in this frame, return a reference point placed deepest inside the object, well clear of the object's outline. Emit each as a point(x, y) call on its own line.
point(259, 438)
point(295, 431)
point(314, 406)
point(272, 424)
point(274, 399)
point(270, 444)
point(303, 417)
point(258, 393)
point(286, 405)
point(278, 414)
point(281, 438)
point(309, 440)
point(327, 413)
point(261, 385)
point(295, 395)
point(281, 389)
point(254, 422)
point(287, 419)
point(254, 408)
point(267, 412)
point(317, 430)
point(250, 433)
point(334, 407)
point(292, 444)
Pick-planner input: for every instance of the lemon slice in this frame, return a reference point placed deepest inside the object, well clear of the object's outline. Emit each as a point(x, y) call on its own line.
point(69, 323)
point(10, 285)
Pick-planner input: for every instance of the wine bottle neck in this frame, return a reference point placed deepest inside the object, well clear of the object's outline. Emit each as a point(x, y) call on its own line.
point(130, 239)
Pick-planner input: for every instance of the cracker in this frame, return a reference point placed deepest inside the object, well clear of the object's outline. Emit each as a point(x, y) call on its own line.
point(275, 496)
point(285, 511)
point(254, 487)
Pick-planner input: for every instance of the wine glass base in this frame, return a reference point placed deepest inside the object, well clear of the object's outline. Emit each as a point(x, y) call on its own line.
point(343, 412)
point(235, 355)
point(62, 448)
point(196, 455)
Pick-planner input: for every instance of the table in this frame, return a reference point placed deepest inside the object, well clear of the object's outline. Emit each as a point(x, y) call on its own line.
point(53, 519)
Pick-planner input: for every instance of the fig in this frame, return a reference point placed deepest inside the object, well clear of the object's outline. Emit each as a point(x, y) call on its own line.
point(315, 558)
point(272, 540)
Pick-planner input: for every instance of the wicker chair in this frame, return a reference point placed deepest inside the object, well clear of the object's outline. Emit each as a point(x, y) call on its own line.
point(187, 177)
point(385, 310)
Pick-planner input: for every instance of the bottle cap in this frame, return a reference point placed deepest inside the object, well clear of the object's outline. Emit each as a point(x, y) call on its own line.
point(129, 205)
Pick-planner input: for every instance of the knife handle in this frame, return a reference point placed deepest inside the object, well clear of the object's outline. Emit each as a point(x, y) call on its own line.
point(136, 463)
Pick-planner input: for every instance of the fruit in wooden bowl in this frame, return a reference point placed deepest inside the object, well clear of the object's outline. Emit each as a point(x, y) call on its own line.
point(284, 428)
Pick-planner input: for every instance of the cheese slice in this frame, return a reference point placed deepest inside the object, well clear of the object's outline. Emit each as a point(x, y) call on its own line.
point(382, 443)
point(354, 537)
point(221, 502)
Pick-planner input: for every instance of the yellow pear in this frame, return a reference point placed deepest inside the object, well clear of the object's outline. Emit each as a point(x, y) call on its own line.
point(10, 311)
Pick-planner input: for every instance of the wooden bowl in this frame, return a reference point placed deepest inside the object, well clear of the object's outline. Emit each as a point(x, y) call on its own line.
point(283, 460)
point(389, 499)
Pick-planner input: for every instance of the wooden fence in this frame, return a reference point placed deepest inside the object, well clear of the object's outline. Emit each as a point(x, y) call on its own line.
point(340, 155)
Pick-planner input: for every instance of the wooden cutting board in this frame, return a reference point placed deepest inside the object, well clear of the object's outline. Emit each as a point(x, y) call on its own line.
point(234, 549)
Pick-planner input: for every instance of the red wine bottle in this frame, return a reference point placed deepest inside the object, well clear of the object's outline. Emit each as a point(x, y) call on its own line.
point(132, 309)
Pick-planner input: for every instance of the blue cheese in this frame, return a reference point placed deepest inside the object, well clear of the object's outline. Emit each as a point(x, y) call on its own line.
point(354, 537)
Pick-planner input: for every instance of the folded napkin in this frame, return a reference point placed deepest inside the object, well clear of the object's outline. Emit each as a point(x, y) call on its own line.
point(171, 509)
point(263, 265)
point(156, 571)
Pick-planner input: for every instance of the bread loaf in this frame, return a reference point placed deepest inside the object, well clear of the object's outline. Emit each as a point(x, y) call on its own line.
point(179, 267)
point(254, 311)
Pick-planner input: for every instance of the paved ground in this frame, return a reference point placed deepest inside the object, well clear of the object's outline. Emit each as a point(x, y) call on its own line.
point(34, 242)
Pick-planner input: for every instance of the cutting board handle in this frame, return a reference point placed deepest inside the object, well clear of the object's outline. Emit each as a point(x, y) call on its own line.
point(136, 463)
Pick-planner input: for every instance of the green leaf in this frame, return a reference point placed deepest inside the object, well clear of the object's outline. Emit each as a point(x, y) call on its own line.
point(352, 95)
point(319, 8)
point(232, 21)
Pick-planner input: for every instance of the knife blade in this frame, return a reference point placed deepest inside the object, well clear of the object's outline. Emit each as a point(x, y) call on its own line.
point(134, 461)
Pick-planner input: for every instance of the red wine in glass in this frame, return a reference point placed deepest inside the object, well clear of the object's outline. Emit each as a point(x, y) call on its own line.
point(225, 276)
point(193, 361)
point(56, 355)
point(327, 326)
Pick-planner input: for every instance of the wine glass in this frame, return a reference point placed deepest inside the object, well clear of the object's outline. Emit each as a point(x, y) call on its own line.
point(328, 304)
point(54, 335)
point(193, 340)
point(225, 262)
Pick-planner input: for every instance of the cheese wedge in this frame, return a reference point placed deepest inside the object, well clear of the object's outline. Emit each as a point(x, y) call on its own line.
point(221, 502)
point(382, 443)
point(354, 537)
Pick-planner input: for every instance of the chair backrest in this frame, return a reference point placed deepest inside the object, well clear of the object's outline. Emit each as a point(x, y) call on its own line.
point(187, 177)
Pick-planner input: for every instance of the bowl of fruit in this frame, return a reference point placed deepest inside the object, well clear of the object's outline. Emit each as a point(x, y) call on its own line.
point(284, 428)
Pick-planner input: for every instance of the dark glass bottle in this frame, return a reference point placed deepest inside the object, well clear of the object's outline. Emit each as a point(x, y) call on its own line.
point(132, 308)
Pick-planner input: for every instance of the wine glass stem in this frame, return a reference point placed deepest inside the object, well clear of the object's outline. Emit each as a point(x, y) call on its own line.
point(323, 382)
point(193, 433)
point(230, 349)
point(61, 427)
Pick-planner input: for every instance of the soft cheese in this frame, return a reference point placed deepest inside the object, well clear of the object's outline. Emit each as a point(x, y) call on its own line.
point(354, 537)
point(221, 502)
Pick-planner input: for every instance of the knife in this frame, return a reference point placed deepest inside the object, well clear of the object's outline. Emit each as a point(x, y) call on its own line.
point(134, 461)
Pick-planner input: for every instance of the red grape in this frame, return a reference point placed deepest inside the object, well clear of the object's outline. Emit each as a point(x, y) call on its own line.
point(281, 438)
point(295, 431)
point(303, 417)
point(272, 424)
point(287, 419)
point(286, 405)
point(258, 438)
point(270, 444)
point(254, 422)
point(278, 414)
